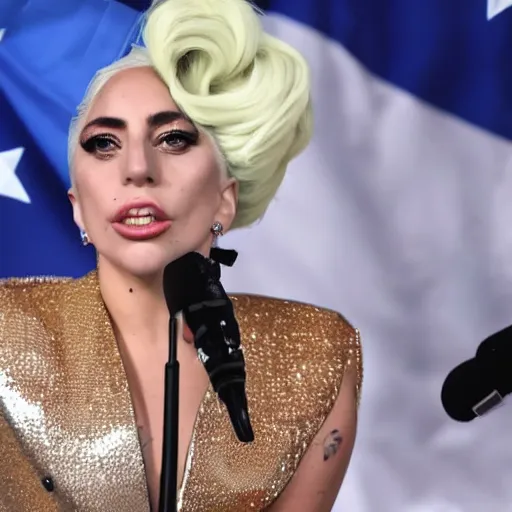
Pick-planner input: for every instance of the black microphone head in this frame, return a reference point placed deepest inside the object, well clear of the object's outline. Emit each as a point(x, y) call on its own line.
point(464, 389)
point(192, 285)
point(188, 280)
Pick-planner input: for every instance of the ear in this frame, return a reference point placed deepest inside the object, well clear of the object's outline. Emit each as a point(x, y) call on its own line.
point(229, 199)
point(77, 212)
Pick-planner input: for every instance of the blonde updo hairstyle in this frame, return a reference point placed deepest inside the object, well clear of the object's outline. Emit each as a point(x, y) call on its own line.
point(247, 89)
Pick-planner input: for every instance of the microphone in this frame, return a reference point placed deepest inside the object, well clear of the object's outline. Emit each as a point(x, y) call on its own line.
point(192, 286)
point(479, 385)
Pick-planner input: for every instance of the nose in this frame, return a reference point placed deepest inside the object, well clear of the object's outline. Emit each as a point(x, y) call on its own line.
point(139, 168)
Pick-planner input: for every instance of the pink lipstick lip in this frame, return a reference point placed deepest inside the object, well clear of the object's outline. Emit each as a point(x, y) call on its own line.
point(122, 213)
point(145, 232)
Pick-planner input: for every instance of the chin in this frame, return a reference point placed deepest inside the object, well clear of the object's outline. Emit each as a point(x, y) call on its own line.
point(144, 270)
point(145, 261)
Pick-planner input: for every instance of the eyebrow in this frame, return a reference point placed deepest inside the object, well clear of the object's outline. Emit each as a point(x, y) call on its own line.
point(153, 121)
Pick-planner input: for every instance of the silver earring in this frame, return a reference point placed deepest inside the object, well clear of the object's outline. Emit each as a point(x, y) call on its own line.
point(217, 229)
point(85, 237)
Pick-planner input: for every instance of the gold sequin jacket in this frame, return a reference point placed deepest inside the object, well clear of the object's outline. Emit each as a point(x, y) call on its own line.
point(68, 438)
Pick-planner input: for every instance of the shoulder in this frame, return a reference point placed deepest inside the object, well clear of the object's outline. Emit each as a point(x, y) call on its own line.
point(17, 287)
point(21, 297)
point(24, 298)
point(32, 309)
point(293, 313)
point(312, 345)
point(39, 292)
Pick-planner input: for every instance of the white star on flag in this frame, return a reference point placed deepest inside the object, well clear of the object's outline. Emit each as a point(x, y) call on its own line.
point(10, 185)
point(2, 32)
point(495, 7)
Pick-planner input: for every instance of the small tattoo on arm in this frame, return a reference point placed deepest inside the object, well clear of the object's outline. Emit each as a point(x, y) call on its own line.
point(332, 443)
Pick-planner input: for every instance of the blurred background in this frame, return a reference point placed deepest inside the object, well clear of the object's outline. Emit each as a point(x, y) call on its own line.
point(399, 215)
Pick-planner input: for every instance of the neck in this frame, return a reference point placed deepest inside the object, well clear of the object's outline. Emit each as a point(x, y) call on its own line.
point(136, 305)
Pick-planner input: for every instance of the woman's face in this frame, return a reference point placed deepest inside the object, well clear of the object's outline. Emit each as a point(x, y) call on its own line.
point(147, 185)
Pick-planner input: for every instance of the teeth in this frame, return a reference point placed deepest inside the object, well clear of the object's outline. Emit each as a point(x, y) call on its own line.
point(139, 221)
point(141, 212)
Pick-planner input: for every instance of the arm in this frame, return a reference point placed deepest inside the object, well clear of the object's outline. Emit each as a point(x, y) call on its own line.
point(315, 485)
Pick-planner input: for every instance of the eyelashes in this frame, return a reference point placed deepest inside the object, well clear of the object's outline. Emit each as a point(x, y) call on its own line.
point(105, 145)
point(177, 139)
point(101, 145)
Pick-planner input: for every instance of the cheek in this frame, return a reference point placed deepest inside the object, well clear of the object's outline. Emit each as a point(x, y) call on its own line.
point(203, 174)
point(201, 191)
point(96, 196)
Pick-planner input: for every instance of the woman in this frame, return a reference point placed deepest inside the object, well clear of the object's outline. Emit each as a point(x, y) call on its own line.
point(173, 146)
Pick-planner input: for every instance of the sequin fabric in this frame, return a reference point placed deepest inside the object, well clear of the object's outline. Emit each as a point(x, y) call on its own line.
point(66, 412)
point(65, 402)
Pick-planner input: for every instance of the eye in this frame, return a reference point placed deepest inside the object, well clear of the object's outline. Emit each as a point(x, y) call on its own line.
point(103, 144)
point(177, 140)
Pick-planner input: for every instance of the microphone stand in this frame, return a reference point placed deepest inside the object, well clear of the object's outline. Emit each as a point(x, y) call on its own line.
point(226, 368)
point(169, 475)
